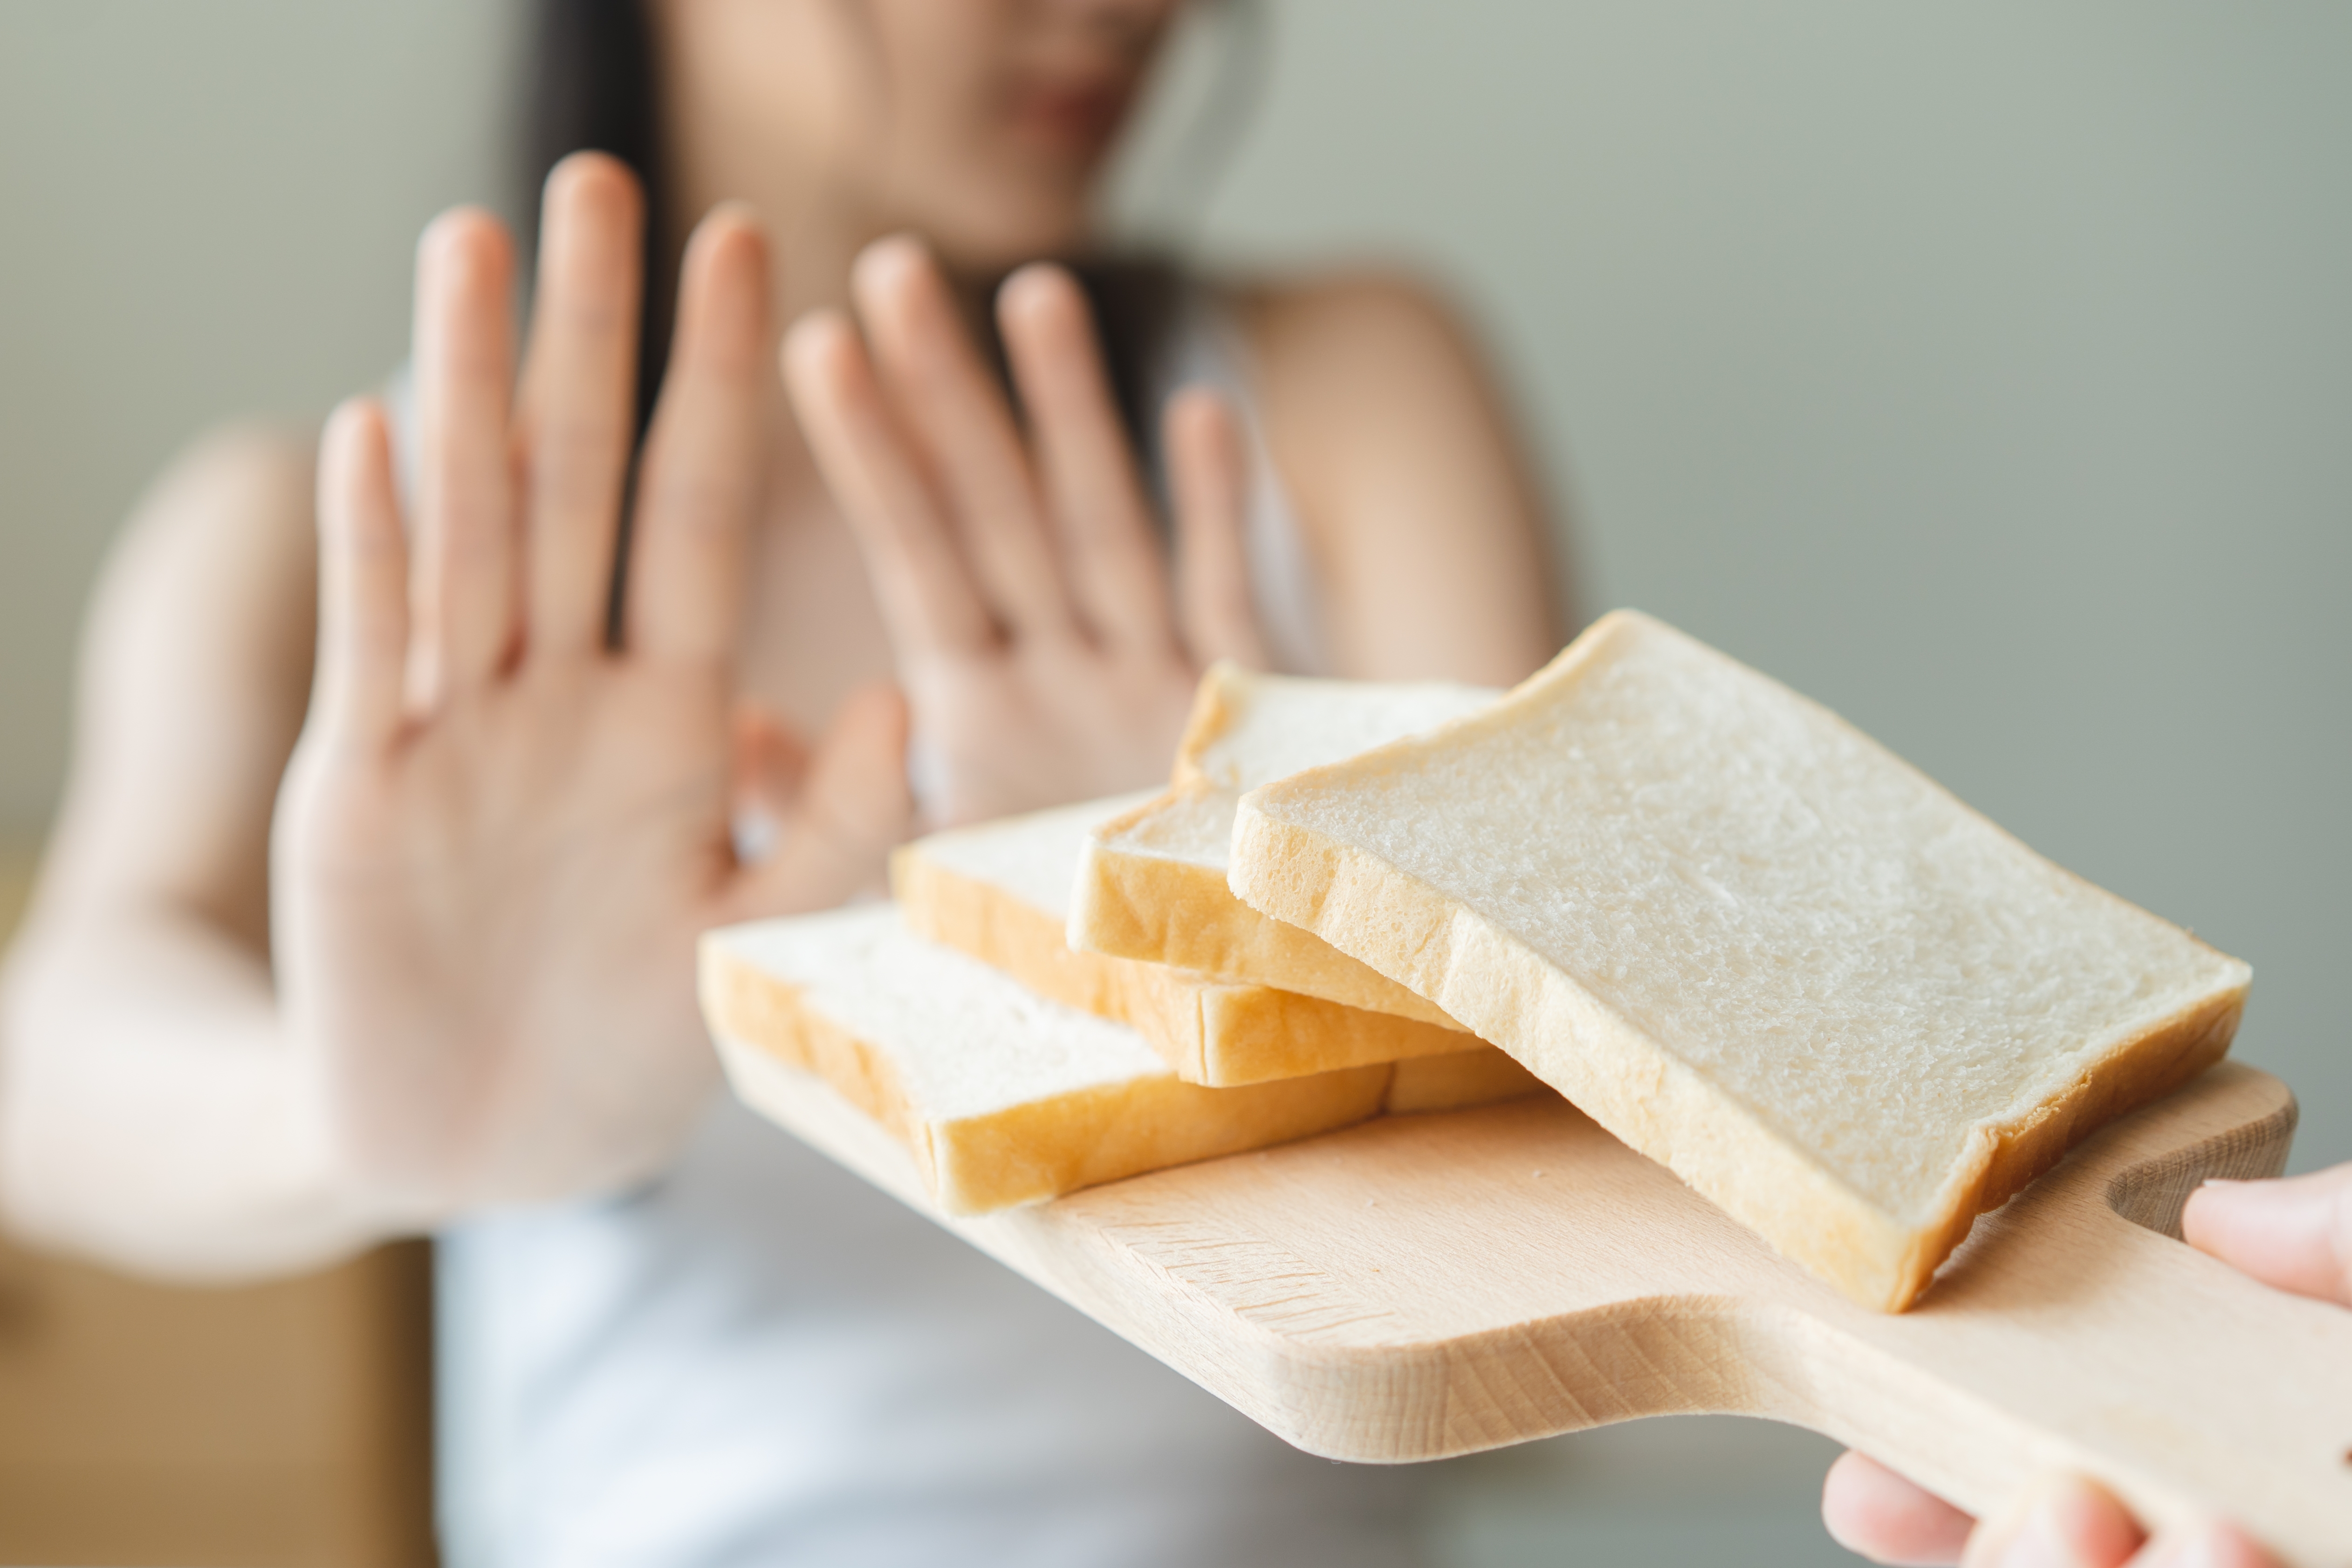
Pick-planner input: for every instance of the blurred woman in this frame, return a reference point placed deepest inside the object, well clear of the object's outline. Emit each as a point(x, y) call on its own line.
point(394, 817)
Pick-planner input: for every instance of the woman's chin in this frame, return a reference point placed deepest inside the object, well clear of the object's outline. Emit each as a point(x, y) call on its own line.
point(990, 238)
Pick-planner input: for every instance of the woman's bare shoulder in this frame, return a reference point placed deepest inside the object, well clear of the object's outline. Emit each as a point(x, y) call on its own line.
point(1398, 448)
point(235, 489)
point(1370, 360)
point(208, 596)
point(1354, 292)
point(221, 534)
point(195, 671)
point(1316, 323)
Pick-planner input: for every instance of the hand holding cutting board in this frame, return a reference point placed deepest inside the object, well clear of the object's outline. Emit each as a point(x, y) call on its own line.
point(2293, 1235)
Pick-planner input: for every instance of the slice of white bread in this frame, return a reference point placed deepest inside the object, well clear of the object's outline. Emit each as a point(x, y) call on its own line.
point(1750, 942)
point(1000, 892)
point(1152, 884)
point(1004, 1098)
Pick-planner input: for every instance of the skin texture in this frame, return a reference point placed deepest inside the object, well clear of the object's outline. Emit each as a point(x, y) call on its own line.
point(315, 962)
point(2295, 1235)
point(1039, 642)
point(471, 736)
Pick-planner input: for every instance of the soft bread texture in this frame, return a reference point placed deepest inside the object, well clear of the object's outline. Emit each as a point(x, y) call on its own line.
point(1748, 941)
point(1000, 892)
point(1003, 1097)
point(1151, 883)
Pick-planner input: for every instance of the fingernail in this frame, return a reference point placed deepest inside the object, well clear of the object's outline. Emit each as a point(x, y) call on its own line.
point(1032, 281)
point(891, 256)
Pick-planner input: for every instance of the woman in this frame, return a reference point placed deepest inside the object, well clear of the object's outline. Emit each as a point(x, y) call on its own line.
point(399, 939)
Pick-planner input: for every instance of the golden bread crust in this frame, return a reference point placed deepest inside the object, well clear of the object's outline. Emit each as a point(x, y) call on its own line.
point(1040, 1149)
point(1173, 912)
point(1207, 1032)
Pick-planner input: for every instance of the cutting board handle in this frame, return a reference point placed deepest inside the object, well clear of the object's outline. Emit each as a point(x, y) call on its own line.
point(2074, 1329)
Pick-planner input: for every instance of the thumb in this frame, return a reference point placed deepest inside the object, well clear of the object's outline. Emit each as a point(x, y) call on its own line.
point(2295, 1235)
point(852, 806)
point(769, 764)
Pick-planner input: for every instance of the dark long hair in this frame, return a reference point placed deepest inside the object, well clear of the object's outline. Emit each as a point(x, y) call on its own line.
point(595, 86)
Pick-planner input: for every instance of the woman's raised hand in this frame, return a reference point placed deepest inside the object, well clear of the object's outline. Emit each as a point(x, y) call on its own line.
point(499, 835)
point(2293, 1235)
point(1018, 571)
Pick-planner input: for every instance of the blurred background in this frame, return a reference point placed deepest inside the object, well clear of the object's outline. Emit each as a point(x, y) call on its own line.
point(1984, 372)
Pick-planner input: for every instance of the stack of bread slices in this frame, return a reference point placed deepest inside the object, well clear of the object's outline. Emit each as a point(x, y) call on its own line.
point(1034, 1012)
point(1732, 929)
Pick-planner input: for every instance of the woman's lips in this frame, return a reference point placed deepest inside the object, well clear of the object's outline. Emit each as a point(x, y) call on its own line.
point(1070, 117)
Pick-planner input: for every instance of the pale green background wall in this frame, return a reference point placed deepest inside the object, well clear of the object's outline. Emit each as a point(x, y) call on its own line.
point(206, 212)
point(1983, 369)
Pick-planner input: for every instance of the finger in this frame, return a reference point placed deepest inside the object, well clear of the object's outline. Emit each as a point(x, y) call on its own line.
point(578, 403)
point(770, 760)
point(362, 580)
point(954, 406)
point(1114, 564)
point(2213, 1546)
point(705, 457)
point(2294, 1235)
point(2064, 1522)
point(1870, 1509)
point(464, 368)
point(769, 764)
point(1208, 471)
point(853, 808)
point(927, 599)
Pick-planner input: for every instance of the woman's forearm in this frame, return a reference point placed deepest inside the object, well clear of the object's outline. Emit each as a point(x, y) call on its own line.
point(153, 1115)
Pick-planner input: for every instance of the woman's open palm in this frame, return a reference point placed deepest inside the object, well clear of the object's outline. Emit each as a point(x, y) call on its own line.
point(501, 835)
point(1018, 570)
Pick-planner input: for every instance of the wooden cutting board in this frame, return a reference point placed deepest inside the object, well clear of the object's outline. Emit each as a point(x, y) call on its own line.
point(1421, 1286)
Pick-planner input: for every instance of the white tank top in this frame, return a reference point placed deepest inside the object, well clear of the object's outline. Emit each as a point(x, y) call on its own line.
point(760, 1359)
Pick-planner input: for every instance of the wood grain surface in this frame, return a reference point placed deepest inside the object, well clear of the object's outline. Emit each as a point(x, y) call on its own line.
point(1423, 1286)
